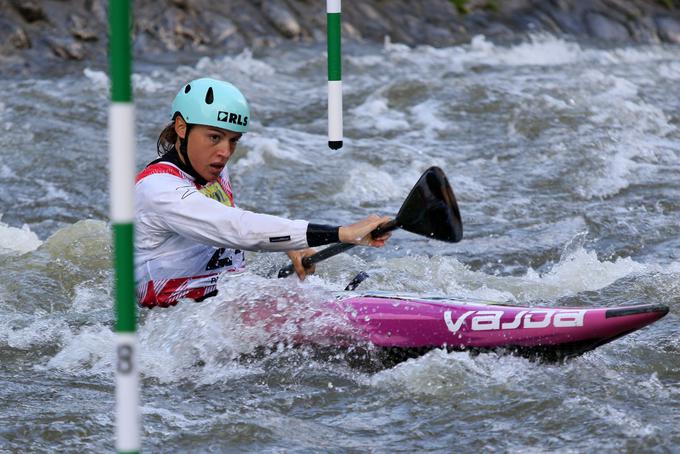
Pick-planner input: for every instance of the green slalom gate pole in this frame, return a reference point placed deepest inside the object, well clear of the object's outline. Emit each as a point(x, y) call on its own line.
point(334, 21)
point(121, 189)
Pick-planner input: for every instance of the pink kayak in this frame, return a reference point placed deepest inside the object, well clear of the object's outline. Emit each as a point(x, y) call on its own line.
point(415, 324)
point(410, 325)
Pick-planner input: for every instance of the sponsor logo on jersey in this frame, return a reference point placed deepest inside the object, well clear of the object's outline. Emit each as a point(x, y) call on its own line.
point(492, 320)
point(279, 239)
point(216, 192)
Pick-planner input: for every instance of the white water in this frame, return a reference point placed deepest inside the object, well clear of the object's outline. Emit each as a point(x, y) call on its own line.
point(564, 159)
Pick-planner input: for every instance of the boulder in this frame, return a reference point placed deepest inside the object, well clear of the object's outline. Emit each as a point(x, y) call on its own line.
point(66, 48)
point(605, 28)
point(282, 18)
point(80, 28)
point(12, 37)
point(668, 29)
point(30, 10)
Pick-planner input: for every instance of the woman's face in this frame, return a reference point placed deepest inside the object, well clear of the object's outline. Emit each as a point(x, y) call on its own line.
point(209, 148)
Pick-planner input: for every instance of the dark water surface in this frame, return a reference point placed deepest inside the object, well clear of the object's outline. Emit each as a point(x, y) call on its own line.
point(565, 161)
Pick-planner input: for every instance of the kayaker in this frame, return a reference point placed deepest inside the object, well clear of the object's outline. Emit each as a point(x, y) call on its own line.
point(188, 229)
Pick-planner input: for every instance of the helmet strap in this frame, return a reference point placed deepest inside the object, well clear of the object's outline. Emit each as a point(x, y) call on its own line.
point(188, 168)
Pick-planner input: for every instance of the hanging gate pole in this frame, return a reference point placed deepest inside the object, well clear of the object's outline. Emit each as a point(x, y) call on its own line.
point(121, 190)
point(334, 21)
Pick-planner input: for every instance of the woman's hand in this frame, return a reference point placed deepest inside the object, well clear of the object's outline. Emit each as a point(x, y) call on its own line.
point(360, 232)
point(296, 257)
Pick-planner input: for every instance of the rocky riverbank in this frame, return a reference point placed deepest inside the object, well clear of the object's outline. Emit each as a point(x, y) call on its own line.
point(38, 36)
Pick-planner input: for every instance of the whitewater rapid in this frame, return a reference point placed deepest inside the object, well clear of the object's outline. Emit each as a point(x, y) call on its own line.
point(564, 159)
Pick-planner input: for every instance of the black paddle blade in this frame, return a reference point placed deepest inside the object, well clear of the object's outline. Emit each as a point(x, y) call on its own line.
point(431, 209)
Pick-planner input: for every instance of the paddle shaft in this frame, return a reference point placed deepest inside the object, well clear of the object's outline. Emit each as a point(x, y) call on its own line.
point(337, 249)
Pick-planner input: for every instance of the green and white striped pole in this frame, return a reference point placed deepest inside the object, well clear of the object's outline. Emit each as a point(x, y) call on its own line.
point(121, 189)
point(334, 20)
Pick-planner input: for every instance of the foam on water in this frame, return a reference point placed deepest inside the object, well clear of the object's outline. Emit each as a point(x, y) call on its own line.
point(147, 84)
point(670, 70)
point(52, 191)
point(609, 415)
point(577, 271)
point(98, 79)
point(426, 115)
point(5, 172)
point(539, 50)
point(243, 62)
point(442, 373)
point(141, 83)
point(89, 352)
point(374, 114)
point(43, 332)
point(17, 241)
point(368, 184)
point(202, 342)
point(265, 148)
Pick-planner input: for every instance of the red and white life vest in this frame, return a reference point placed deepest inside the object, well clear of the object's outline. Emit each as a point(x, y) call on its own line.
point(186, 234)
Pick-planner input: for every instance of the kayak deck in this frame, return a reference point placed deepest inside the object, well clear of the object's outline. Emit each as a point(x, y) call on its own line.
point(407, 326)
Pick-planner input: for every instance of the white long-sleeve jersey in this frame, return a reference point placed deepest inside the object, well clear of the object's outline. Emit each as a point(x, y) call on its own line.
point(186, 234)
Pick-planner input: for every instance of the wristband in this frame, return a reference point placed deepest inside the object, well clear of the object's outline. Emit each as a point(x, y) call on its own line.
point(319, 234)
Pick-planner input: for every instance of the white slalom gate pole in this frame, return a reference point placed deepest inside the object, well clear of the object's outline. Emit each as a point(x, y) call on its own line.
point(121, 189)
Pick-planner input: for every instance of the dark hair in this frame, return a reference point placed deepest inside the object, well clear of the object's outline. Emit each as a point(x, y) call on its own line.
point(167, 139)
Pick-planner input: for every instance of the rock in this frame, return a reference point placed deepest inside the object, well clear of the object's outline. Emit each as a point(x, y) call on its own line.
point(19, 39)
point(644, 30)
point(30, 10)
point(348, 30)
point(498, 31)
point(408, 30)
point(534, 22)
point(97, 10)
point(368, 20)
point(562, 5)
point(223, 32)
point(220, 27)
point(70, 29)
point(190, 29)
point(438, 36)
point(630, 10)
point(80, 28)
point(67, 49)
point(668, 29)
point(547, 21)
point(12, 38)
point(173, 31)
point(568, 23)
point(181, 4)
point(282, 18)
point(440, 13)
point(604, 28)
point(253, 26)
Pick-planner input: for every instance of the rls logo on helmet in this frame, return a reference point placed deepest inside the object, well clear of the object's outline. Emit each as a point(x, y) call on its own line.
point(233, 118)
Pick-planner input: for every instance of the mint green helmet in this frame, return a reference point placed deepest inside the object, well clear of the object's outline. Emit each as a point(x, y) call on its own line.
point(212, 102)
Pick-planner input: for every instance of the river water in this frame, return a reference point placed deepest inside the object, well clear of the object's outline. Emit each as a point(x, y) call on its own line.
point(565, 162)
